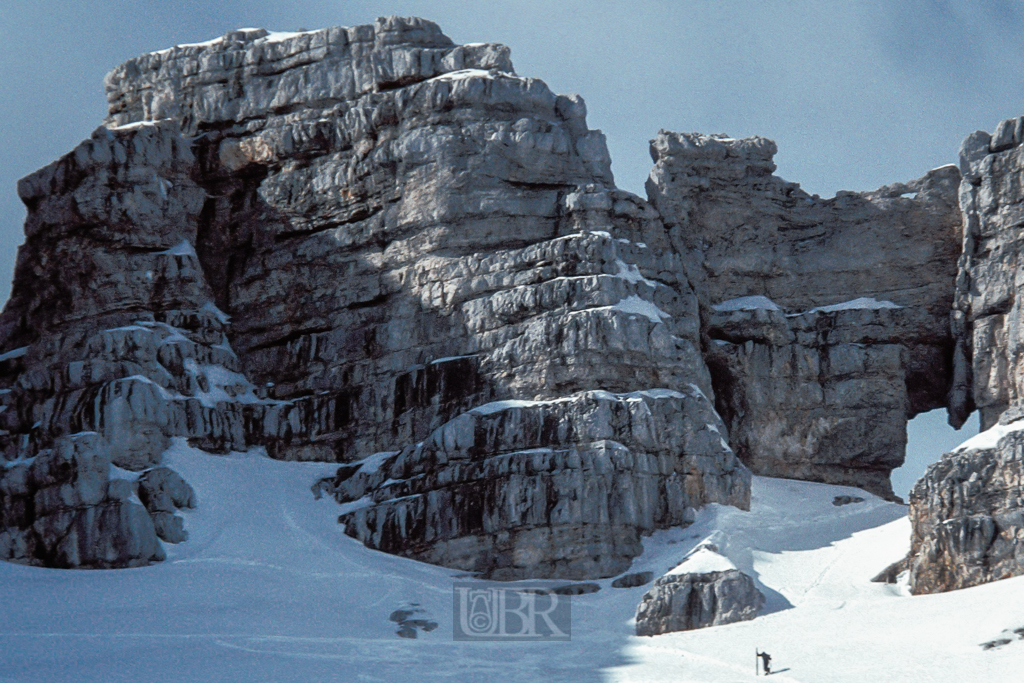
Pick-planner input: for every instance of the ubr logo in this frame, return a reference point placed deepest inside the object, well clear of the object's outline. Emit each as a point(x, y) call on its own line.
point(487, 611)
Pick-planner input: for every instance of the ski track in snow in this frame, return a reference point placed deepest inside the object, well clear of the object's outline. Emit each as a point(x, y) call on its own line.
point(269, 589)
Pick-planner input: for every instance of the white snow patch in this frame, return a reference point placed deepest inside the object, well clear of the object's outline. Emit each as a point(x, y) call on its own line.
point(634, 305)
point(606, 395)
point(631, 273)
point(268, 588)
point(862, 302)
point(210, 307)
point(450, 358)
point(121, 473)
point(461, 75)
point(657, 393)
point(498, 406)
point(748, 303)
point(183, 249)
point(133, 125)
point(279, 36)
point(14, 353)
point(990, 437)
point(372, 463)
point(164, 393)
point(702, 561)
point(218, 378)
point(352, 506)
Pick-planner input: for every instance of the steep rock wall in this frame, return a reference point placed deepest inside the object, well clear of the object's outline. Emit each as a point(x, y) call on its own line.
point(968, 509)
point(828, 320)
point(967, 515)
point(334, 244)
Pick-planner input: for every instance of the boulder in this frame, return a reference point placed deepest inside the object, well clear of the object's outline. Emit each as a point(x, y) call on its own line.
point(967, 515)
point(687, 601)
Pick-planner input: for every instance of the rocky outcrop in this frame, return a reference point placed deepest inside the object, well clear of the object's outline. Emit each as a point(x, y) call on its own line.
point(561, 488)
point(375, 247)
point(344, 242)
point(988, 305)
point(818, 395)
point(967, 514)
point(968, 509)
point(63, 508)
point(712, 594)
point(827, 319)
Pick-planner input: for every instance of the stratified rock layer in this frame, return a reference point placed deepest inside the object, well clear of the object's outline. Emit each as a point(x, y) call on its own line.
point(559, 488)
point(990, 359)
point(968, 509)
point(333, 244)
point(849, 334)
point(968, 518)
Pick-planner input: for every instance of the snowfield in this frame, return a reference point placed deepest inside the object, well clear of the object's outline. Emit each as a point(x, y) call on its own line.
point(269, 589)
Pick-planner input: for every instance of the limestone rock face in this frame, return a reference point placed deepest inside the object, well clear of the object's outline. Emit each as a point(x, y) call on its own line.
point(968, 509)
point(560, 488)
point(968, 518)
point(338, 243)
point(990, 360)
point(828, 319)
point(61, 508)
point(817, 395)
point(683, 602)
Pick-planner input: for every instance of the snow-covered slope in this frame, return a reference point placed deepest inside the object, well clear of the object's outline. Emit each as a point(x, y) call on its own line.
point(269, 589)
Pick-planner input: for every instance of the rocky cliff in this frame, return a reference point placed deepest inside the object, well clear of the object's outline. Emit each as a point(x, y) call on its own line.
point(342, 243)
point(828, 319)
point(374, 247)
point(968, 509)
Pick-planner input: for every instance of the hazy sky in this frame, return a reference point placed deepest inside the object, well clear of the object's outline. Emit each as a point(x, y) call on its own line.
point(857, 94)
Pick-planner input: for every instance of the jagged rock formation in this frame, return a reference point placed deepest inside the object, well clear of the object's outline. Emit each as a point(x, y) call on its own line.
point(968, 509)
point(711, 594)
point(967, 514)
point(828, 319)
point(559, 488)
point(64, 509)
point(333, 244)
point(988, 305)
point(372, 246)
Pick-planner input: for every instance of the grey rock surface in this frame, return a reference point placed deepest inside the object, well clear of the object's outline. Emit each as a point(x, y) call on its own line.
point(375, 247)
point(683, 602)
point(60, 508)
point(545, 489)
point(968, 509)
point(815, 382)
point(967, 515)
point(818, 395)
point(988, 305)
point(633, 579)
point(343, 242)
point(412, 619)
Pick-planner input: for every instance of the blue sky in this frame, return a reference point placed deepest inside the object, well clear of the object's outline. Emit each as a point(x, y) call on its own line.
point(856, 94)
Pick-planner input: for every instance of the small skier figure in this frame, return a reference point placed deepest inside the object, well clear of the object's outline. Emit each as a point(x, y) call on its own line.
point(766, 660)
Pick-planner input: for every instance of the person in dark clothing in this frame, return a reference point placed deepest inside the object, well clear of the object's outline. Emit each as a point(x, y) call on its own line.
point(766, 660)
